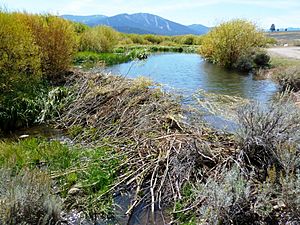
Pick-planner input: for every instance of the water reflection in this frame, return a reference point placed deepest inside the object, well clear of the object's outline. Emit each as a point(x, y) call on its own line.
point(189, 72)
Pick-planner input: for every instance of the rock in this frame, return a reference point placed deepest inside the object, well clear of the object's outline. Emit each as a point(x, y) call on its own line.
point(74, 191)
point(24, 136)
point(296, 96)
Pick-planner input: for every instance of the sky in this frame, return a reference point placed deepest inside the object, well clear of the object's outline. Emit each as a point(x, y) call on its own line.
point(207, 12)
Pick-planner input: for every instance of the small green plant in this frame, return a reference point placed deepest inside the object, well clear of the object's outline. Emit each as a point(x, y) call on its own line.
point(54, 103)
point(88, 171)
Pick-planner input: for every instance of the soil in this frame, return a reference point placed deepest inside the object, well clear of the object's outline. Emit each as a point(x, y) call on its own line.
point(287, 52)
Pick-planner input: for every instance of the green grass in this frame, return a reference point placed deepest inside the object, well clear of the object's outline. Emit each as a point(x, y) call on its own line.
point(90, 170)
point(107, 58)
point(283, 62)
point(158, 48)
point(285, 37)
point(125, 54)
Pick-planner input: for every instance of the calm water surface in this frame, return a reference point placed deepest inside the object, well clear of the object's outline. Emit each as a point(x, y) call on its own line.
point(189, 73)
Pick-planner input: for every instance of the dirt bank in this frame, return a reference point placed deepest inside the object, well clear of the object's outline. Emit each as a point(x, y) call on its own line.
point(287, 52)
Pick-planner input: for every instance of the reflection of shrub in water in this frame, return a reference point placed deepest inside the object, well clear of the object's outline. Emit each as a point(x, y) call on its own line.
point(26, 199)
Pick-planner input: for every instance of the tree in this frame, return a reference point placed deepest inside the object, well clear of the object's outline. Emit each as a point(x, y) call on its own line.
point(272, 29)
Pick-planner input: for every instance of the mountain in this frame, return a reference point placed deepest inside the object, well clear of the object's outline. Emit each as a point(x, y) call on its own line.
point(140, 23)
point(148, 23)
point(293, 29)
point(201, 29)
point(88, 20)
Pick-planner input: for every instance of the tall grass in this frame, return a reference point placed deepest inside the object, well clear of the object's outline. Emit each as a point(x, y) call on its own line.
point(288, 77)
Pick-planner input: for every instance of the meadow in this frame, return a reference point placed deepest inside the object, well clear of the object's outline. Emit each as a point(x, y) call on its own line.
point(291, 38)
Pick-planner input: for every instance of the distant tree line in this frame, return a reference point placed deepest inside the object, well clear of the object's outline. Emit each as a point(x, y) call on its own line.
point(273, 28)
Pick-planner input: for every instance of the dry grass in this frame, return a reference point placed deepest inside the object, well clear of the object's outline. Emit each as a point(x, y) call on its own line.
point(161, 152)
point(291, 38)
point(162, 155)
point(289, 78)
point(26, 199)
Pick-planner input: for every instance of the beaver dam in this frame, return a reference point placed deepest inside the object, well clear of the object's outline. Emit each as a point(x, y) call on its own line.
point(138, 157)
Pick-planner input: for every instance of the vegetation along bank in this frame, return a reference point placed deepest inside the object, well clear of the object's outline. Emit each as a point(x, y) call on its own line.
point(128, 136)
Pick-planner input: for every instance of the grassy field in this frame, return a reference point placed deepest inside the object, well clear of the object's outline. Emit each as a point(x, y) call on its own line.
point(288, 37)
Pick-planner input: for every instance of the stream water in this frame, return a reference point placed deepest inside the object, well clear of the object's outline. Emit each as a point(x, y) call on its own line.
point(189, 74)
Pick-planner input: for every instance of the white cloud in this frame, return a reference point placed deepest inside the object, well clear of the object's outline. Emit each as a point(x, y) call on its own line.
point(208, 12)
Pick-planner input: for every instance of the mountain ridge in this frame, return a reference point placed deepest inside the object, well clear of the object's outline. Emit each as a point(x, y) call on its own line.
point(140, 23)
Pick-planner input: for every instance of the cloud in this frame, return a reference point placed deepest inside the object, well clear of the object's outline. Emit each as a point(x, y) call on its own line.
point(208, 12)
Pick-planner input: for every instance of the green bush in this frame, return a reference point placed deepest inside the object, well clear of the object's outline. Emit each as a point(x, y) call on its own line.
point(32, 47)
point(262, 59)
point(138, 39)
point(57, 43)
point(227, 43)
point(153, 39)
point(20, 73)
point(253, 60)
point(19, 56)
point(99, 39)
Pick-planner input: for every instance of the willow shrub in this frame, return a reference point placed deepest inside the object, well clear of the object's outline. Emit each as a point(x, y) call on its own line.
point(19, 56)
point(20, 72)
point(227, 43)
point(56, 39)
point(99, 39)
point(32, 47)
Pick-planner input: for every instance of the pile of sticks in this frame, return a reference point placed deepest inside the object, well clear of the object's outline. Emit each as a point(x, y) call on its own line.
point(162, 153)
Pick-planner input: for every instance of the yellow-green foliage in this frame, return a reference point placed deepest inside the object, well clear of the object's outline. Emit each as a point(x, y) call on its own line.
point(153, 39)
point(230, 41)
point(30, 46)
point(99, 39)
point(19, 56)
point(138, 39)
point(56, 40)
point(188, 39)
